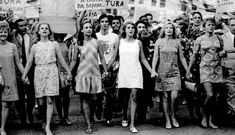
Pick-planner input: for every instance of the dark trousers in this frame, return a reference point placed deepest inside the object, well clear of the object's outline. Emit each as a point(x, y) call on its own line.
point(62, 103)
point(28, 90)
point(109, 103)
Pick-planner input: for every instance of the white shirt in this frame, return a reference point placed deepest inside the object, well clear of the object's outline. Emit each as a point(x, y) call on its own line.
point(108, 41)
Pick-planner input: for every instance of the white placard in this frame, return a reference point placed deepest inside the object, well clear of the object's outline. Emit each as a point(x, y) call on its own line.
point(225, 6)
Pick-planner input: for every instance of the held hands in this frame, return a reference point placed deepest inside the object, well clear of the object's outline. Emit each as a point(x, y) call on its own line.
point(25, 80)
point(154, 74)
point(188, 75)
point(105, 74)
point(223, 53)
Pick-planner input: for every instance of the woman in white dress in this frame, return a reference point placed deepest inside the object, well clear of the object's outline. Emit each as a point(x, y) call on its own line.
point(130, 77)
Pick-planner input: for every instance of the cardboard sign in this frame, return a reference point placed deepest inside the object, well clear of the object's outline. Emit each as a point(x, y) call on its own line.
point(31, 12)
point(99, 4)
point(60, 24)
point(59, 14)
point(225, 6)
point(57, 8)
point(16, 5)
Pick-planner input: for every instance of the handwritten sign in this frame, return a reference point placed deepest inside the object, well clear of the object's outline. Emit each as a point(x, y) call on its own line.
point(225, 6)
point(16, 5)
point(100, 4)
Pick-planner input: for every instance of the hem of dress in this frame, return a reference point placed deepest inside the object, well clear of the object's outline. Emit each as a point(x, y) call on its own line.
point(47, 96)
point(168, 90)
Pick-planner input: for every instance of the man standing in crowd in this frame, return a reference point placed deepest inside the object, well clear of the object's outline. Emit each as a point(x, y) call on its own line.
point(229, 47)
point(116, 25)
point(109, 43)
point(24, 42)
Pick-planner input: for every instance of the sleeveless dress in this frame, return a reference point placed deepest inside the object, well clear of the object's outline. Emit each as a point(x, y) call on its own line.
point(46, 77)
point(7, 61)
point(210, 65)
point(88, 79)
point(168, 69)
point(130, 72)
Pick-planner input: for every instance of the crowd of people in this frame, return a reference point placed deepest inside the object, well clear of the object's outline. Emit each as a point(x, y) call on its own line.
point(118, 63)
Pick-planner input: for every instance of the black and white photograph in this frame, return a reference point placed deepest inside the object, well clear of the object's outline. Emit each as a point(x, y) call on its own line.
point(117, 67)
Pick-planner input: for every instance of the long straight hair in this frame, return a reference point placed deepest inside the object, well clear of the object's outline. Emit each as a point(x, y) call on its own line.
point(162, 32)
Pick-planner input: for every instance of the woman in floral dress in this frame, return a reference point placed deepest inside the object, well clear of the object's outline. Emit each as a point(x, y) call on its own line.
point(209, 47)
point(46, 78)
point(167, 52)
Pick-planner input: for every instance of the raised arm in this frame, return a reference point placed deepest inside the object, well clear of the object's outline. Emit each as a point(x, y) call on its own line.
point(79, 20)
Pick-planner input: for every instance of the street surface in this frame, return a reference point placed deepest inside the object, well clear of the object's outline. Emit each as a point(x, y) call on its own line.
point(153, 126)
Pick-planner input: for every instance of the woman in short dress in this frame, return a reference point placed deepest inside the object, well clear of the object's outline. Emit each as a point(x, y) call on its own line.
point(88, 78)
point(167, 52)
point(8, 60)
point(130, 77)
point(209, 47)
point(46, 76)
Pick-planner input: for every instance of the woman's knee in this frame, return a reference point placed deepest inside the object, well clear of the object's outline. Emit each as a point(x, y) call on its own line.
point(49, 100)
point(5, 105)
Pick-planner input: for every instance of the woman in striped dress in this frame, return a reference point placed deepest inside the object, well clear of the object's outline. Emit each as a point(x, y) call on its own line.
point(88, 78)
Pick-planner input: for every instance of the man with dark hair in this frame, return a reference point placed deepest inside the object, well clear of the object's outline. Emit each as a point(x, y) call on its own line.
point(116, 25)
point(24, 42)
point(229, 46)
point(109, 42)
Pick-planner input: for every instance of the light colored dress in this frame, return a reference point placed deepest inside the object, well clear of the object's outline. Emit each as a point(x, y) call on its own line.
point(130, 72)
point(7, 61)
point(168, 69)
point(210, 65)
point(46, 79)
point(88, 79)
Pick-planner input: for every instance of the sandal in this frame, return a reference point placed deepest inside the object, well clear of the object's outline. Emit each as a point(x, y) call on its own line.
point(3, 132)
point(133, 130)
point(124, 123)
point(88, 131)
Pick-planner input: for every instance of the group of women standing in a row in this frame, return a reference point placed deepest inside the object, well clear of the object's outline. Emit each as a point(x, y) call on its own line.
point(165, 67)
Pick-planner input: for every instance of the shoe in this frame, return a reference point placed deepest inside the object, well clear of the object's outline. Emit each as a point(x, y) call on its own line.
point(175, 123)
point(108, 123)
point(58, 121)
point(67, 122)
point(49, 133)
point(124, 123)
point(98, 115)
point(204, 123)
point(88, 131)
point(133, 130)
point(168, 125)
point(213, 126)
point(3, 132)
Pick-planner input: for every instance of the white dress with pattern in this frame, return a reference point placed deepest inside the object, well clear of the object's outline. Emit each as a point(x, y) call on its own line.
point(46, 77)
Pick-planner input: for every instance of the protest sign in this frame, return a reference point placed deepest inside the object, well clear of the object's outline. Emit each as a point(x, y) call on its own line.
point(59, 14)
point(99, 4)
point(57, 8)
point(31, 12)
point(60, 24)
point(93, 14)
point(225, 6)
point(16, 5)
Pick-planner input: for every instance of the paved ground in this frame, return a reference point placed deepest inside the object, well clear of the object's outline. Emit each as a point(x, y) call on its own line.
point(154, 125)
